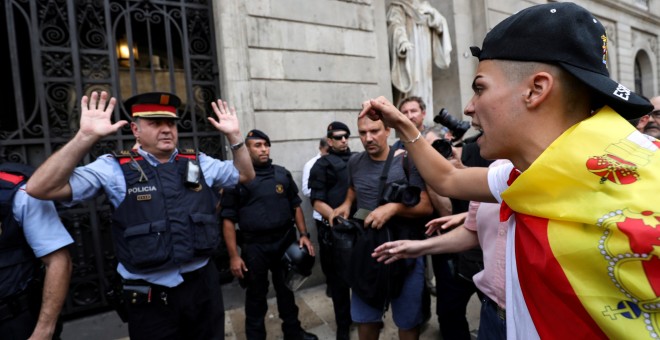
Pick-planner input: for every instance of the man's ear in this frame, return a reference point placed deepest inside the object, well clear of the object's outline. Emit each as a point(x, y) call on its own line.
point(642, 122)
point(135, 129)
point(540, 86)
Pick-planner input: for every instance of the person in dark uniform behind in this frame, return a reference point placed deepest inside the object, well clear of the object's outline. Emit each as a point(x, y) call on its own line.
point(31, 235)
point(328, 181)
point(266, 210)
point(164, 222)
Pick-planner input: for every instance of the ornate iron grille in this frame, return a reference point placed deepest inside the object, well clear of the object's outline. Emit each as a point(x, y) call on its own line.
point(58, 50)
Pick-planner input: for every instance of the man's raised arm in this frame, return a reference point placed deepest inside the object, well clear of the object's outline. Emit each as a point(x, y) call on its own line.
point(51, 179)
point(227, 123)
point(437, 172)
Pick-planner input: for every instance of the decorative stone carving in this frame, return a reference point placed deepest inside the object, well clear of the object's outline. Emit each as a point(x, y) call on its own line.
point(418, 39)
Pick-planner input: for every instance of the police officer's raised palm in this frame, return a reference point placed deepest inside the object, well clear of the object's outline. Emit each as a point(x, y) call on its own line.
point(227, 122)
point(95, 116)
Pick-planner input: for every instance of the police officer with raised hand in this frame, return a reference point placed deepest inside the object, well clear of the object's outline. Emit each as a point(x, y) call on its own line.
point(266, 210)
point(164, 227)
point(35, 266)
point(328, 181)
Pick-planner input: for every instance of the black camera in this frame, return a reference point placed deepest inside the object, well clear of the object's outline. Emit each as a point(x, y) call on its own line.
point(457, 127)
point(444, 147)
point(401, 193)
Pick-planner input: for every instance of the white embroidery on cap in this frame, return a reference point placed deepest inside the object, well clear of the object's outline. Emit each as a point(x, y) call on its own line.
point(622, 92)
point(553, 10)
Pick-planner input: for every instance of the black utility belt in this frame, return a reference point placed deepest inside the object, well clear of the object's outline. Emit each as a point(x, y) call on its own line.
point(142, 291)
point(265, 236)
point(137, 294)
point(13, 306)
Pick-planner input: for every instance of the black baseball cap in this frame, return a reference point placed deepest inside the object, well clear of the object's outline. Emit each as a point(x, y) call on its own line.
point(568, 35)
point(153, 105)
point(337, 126)
point(257, 134)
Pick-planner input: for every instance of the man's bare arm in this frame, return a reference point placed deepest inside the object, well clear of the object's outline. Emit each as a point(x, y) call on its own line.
point(437, 172)
point(302, 228)
point(441, 204)
point(323, 208)
point(227, 123)
point(236, 264)
point(51, 180)
point(457, 240)
point(56, 286)
point(345, 208)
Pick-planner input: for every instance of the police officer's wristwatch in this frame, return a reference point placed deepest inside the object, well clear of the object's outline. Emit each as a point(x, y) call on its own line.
point(236, 146)
point(306, 234)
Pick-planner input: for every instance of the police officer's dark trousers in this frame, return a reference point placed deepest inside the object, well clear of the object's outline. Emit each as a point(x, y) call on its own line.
point(192, 310)
point(262, 252)
point(339, 289)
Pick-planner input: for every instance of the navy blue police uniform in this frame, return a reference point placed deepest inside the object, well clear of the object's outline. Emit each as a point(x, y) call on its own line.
point(264, 209)
point(165, 228)
point(328, 181)
point(21, 273)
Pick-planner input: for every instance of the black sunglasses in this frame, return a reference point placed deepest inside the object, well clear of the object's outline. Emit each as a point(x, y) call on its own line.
point(339, 137)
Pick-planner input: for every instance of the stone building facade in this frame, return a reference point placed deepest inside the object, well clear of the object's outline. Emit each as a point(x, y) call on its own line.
point(293, 66)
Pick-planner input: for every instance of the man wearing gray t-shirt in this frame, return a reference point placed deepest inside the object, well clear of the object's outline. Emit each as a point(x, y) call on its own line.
point(364, 170)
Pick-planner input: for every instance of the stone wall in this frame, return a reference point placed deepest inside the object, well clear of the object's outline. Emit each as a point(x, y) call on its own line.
point(293, 66)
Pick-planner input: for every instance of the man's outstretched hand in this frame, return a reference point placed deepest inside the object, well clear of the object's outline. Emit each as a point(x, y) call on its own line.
point(227, 122)
point(95, 114)
point(381, 108)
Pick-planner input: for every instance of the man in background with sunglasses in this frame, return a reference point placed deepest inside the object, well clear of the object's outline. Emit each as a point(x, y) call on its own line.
point(328, 181)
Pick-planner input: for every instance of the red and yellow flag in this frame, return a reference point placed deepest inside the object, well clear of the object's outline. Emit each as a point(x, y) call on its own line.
point(588, 231)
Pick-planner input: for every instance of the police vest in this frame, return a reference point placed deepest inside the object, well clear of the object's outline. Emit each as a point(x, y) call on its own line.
point(163, 222)
point(264, 203)
point(18, 264)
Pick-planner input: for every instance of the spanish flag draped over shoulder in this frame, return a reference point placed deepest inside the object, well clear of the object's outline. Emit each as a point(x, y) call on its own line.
point(587, 233)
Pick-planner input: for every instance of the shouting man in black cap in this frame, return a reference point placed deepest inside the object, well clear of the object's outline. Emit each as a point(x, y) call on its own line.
point(579, 197)
point(164, 223)
point(328, 181)
point(266, 210)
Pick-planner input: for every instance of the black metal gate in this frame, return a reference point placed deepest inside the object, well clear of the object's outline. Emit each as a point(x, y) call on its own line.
point(56, 51)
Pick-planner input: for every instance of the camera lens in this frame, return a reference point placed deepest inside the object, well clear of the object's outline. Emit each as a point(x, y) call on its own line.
point(457, 127)
point(443, 147)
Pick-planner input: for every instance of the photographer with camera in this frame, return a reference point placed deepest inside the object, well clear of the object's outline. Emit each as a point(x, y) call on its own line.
point(390, 200)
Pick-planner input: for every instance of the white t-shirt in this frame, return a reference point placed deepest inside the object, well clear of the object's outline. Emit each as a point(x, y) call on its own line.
point(305, 179)
point(519, 324)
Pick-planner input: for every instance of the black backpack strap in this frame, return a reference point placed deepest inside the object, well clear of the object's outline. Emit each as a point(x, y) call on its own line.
point(383, 175)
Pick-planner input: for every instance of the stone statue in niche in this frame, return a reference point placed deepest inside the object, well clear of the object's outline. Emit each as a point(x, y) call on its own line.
point(418, 38)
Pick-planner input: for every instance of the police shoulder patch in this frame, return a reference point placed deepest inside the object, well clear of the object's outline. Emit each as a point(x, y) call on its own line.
point(187, 151)
point(125, 153)
point(125, 156)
